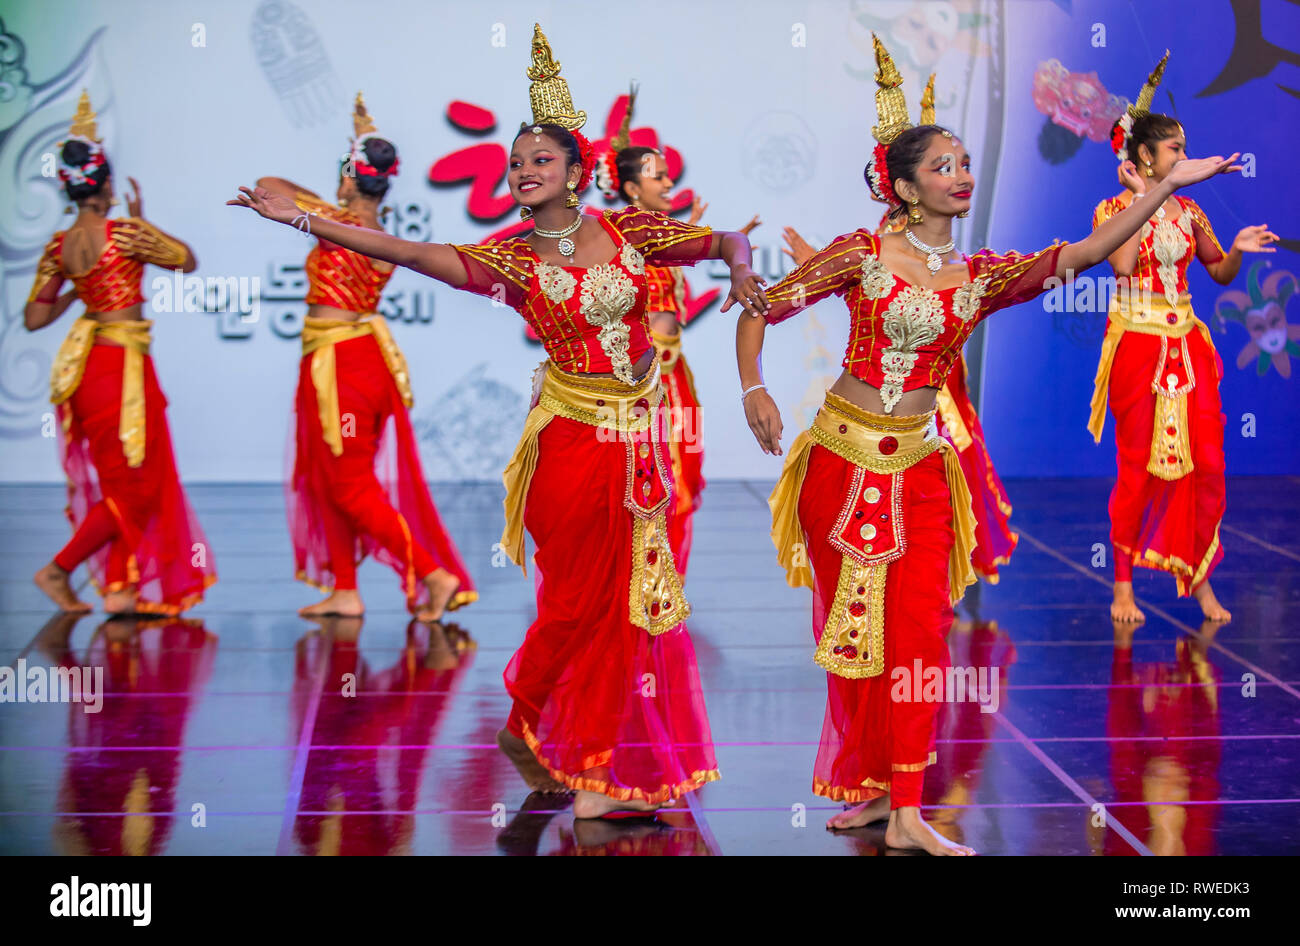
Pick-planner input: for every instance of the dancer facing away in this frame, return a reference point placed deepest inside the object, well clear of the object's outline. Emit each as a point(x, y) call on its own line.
point(132, 523)
point(590, 478)
point(352, 380)
point(957, 420)
point(639, 175)
point(872, 511)
point(1160, 373)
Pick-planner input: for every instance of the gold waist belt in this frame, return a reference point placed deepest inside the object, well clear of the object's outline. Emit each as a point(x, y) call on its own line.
point(70, 365)
point(319, 336)
point(669, 349)
point(601, 402)
point(876, 442)
point(1151, 314)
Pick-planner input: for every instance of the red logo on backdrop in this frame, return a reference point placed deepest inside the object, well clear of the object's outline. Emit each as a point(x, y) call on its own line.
point(483, 167)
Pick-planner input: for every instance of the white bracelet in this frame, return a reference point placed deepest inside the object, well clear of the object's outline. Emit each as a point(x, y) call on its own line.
point(305, 226)
point(745, 393)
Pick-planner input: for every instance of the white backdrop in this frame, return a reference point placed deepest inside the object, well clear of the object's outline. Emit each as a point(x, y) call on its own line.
point(770, 104)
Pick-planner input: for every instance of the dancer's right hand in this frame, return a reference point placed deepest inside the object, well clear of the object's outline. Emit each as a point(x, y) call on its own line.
point(764, 420)
point(271, 206)
point(1129, 177)
point(797, 248)
point(1192, 170)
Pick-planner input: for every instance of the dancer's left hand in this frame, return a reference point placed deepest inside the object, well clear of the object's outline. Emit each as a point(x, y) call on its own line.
point(134, 206)
point(747, 290)
point(1256, 240)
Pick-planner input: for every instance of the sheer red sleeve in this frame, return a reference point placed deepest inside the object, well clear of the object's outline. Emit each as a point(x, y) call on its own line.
point(501, 271)
point(1107, 209)
point(49, 273)
point(1012, 278)
point(1208, 248)
point(833, 269)
point(662, 240)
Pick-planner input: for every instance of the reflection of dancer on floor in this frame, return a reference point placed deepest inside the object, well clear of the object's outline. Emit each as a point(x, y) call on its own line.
point(639, 175)
point(352, 384)
point(133, 524)
point(605, 689)
point(872, 510)
point(1160, 373)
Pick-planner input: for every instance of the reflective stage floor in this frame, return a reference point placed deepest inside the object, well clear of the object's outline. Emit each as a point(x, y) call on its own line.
point(234, 732)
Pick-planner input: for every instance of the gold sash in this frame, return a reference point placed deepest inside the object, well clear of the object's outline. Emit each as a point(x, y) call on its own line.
point(601, 402)
point(70, 365)
point(319, 336)
point(1153, 317)
point(854, 625)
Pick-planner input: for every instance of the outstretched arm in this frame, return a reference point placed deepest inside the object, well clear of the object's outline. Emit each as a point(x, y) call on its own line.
point(1256, 239)
point(760, 410)
point(1115, 232)
point(39, 314)
point(436, 260)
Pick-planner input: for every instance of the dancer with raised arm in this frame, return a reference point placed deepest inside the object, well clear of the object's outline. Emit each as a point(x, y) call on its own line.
point(1159, 371)
point(352, 383)
point(872, 510)
point(606, 694)
point(132, 523)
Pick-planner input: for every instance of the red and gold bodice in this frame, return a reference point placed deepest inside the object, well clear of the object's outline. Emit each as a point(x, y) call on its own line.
point(588, 319)
point(666, 290)
point(337, 276)
point(113, 282)
point(1168, 245)
point(902, 336)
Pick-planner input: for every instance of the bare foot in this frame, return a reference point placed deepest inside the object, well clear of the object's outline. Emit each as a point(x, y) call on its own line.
point(1210, 606)
point(596, 805)
point(442, 584)
point(1124, 607)
point(53, 580)
point(345, 604)
point(908, 830)
point(531, 771)
point(875, 810)
point(120, 602)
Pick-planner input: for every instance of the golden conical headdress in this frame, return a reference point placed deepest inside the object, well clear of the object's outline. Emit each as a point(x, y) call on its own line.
point(624, 137)
point(1143, 105)
point(362, 123)
point(891, 109)
point(83, 123)
point(927, 103)
point(549, 94)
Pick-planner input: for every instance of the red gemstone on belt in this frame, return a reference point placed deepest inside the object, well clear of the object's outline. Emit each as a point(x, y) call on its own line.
point(1171, 430)
point(643, 403)
point(850, 651)
point(1171, 459)
point(888, 445)
point(654, 610)
point(652, 556)
point(600, 402)
point(667, 355)
point(1171, 319)
point(844, 428)
point(857, 609)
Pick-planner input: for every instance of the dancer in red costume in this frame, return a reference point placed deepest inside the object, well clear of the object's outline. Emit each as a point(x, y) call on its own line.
point(132, 523)
point(1160, 373)
point(605, 687)
point(352, 382)
point(872, 510)
point(639, 175)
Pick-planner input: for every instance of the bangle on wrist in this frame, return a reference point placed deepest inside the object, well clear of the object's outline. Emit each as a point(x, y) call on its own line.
point(745, 393)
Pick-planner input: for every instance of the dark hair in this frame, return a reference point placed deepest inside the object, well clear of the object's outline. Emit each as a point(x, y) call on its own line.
point(630, 162)
point(1149, 130)
point(904, 156)
point(76, 154)
point(562, 137)
point(380, 154)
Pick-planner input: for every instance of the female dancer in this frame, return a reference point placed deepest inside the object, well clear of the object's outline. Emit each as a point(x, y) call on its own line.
point(605, 687)
point(131, 520)
point(1160, 373)
point(872, 510)
point(352, 378)
point(639, 176)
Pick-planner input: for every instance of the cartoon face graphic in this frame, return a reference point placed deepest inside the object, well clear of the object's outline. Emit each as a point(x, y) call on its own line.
point(1262, 312)
point(1076, 101)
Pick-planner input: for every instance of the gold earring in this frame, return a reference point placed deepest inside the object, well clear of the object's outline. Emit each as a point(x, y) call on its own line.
point(343, 201)
point(914, 214)
point(525, 213)
point(572, 200)
point(964, 213)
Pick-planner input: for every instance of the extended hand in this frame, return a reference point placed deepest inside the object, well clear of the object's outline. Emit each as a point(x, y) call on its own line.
point(1256, 239)
point(133, 203)
point(764, 420)
point(697, 211)
point(747, 289)
point(271, 206)
point(797, 248)
point(1189, 171)
point(748, 228)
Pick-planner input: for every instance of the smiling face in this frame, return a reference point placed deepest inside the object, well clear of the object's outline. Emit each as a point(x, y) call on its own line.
point(653, 188)
point(1163, 154)
point(942, 179)
point(538, 171)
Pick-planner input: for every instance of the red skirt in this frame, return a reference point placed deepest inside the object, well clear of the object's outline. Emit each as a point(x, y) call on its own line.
point(871, 744)
point(993, 536)
point(603, 704)
point(133, 525)
point(1169, 525)
point(373, 498)
point(685, 446)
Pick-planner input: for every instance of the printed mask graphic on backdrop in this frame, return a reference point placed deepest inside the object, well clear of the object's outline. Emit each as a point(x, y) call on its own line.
point(1262, 313)
point(294, 61)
